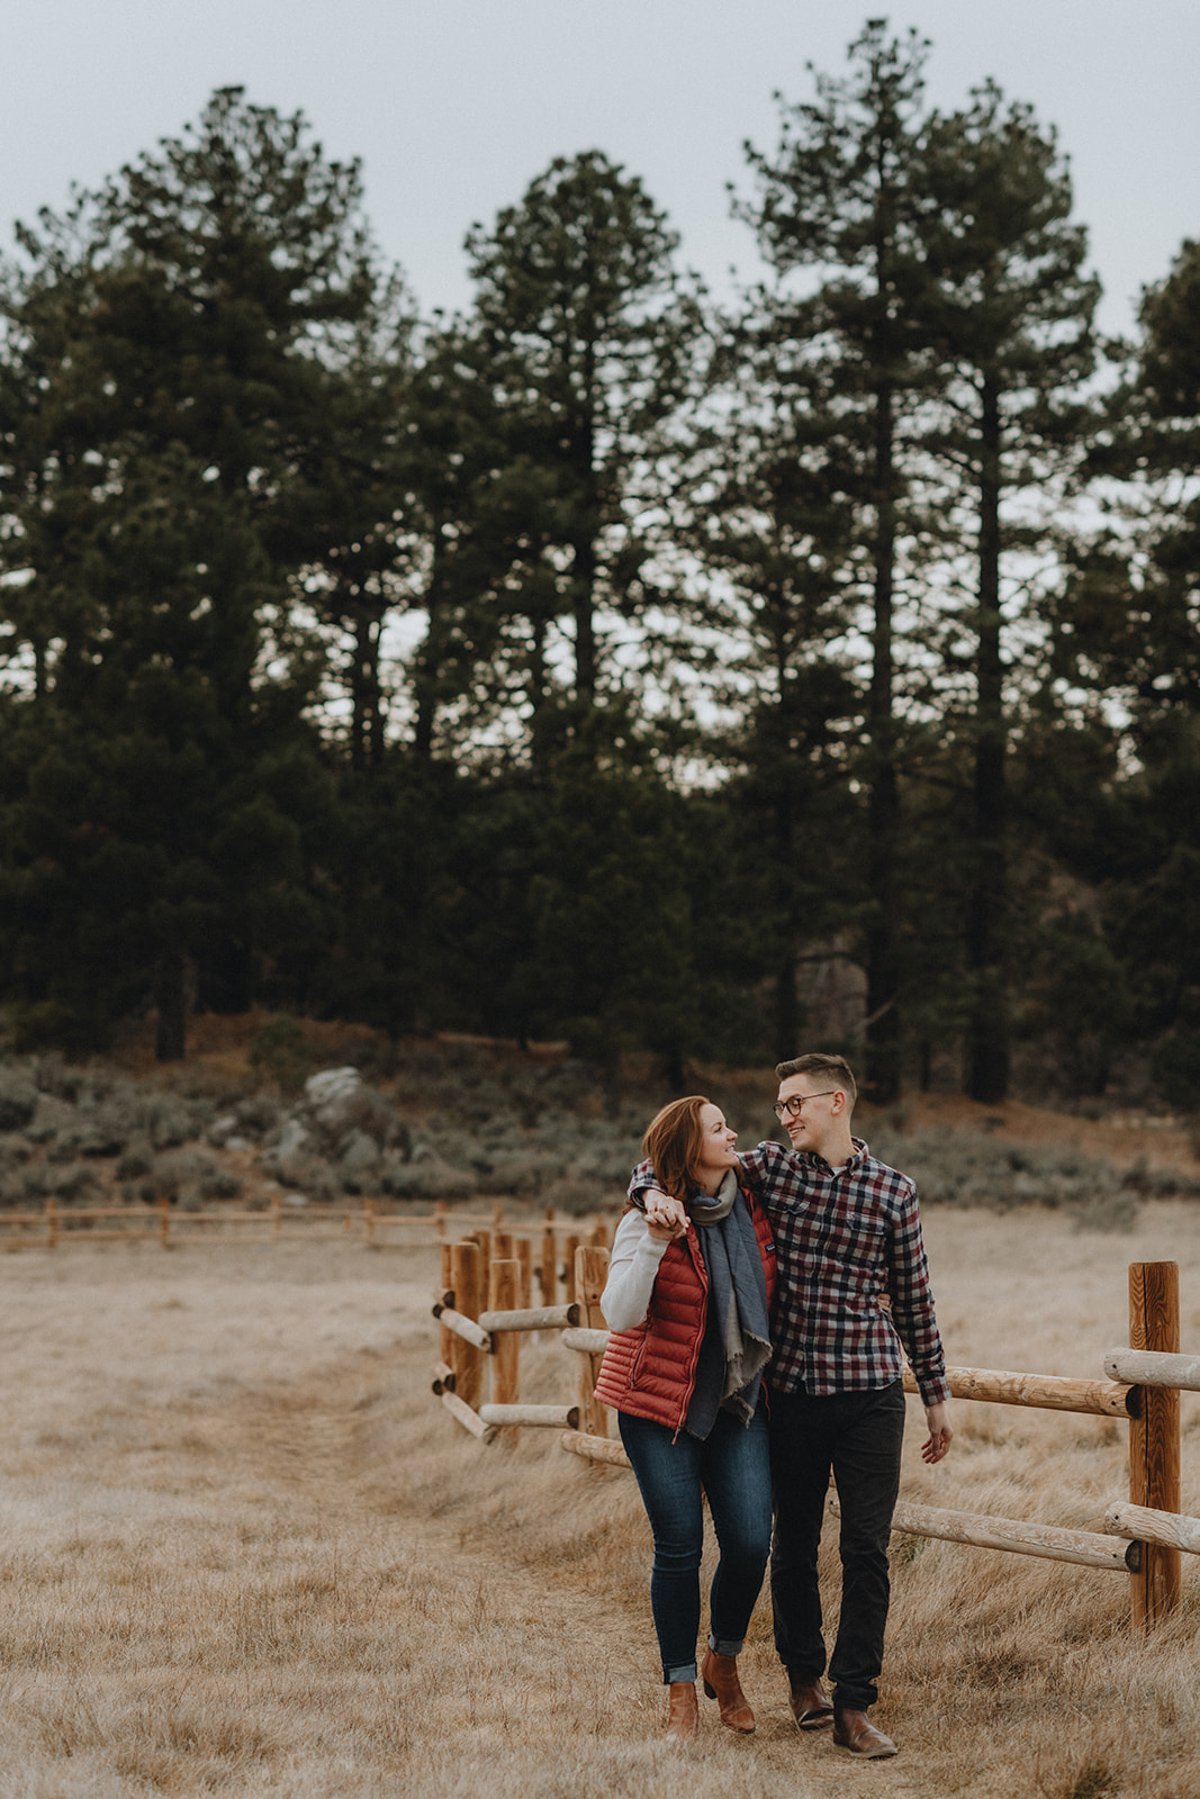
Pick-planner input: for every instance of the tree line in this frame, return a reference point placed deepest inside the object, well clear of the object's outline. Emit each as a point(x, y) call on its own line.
point(600, 661)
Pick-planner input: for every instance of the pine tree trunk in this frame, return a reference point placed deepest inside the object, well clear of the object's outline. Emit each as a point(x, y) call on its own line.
point(787, 999)
point(988, 1027)
point(367, 714)
point(425, 678)
point(883, 806)
point(584, 559)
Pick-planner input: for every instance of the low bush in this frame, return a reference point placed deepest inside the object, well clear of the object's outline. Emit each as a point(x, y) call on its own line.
point(432, 1179)
point(168, 1120)
point(971, 1169)
point(190, 1174)
point(137, 1160)
point(18, 1097)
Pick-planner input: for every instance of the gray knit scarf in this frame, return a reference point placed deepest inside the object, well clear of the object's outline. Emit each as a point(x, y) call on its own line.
point(737, 1288)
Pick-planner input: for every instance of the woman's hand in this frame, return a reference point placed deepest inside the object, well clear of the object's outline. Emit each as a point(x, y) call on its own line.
point(666, 1217)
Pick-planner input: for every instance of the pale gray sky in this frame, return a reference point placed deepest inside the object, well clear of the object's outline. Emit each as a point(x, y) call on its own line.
point(454, 105)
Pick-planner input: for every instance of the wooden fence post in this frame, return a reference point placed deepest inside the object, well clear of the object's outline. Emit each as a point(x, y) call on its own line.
point(276, 1217)
point(1154, 1438)
point(549, 1262)
point(465, 1359)
point(524, 1249)
point(164, 1220)
point(369, 1210)
point(486, 1251)
point(51, 1224)
point(591, 1272)
point(445, 1335)
point(570, 1251)
point(506, 1345)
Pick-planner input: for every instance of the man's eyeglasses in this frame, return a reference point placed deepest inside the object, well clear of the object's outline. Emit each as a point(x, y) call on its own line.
point(795, 1103)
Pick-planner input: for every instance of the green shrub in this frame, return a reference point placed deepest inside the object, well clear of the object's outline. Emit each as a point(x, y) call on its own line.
point(18, 1098)
point(137, 1160)
point(430, 1179)
point(168, 1120)
point(190, 1174)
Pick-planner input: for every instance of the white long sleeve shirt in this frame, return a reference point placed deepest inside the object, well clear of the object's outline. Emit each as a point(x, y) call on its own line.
point(632, 1272)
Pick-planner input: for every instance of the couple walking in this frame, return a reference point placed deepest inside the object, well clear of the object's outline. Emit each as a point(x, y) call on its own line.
point(758, 1306)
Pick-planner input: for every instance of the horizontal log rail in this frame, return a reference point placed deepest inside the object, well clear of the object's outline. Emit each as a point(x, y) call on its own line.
point(562, 1417)
point(444, 1378)
point(463, 1327)
point(518, 1227)
point(587, 1342)
point(531, 1318)
point(594, 1449)
point(1147, 1525)
point(144, 1233)
point(468, 1417)
point(1049, 1392)
point(1154, 1368)
point(1050, 1542)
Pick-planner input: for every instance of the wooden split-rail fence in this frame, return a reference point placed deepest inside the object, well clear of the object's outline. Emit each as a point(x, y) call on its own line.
point(485, 1307)
point(164, 1222)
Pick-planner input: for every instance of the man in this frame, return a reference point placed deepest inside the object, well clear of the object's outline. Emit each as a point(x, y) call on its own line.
point(853, 1288)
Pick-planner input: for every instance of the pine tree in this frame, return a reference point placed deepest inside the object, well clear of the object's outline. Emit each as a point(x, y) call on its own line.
point(173, 343)
point(1015, 341)
point(837, 206)
point(588, 329)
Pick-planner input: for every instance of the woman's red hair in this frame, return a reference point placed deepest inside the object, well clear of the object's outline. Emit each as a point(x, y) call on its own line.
point(674, 1142)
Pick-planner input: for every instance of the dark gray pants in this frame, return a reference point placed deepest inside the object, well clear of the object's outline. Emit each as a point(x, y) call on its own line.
point(858, 1436)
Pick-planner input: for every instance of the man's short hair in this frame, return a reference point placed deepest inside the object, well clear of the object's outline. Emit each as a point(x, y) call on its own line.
point(821, 1067)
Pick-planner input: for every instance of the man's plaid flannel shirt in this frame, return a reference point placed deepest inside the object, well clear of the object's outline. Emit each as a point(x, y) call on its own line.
point(853, 1280)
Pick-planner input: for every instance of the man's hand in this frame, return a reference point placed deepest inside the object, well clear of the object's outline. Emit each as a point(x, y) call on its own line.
point(665, 1216)
point(935, 1446)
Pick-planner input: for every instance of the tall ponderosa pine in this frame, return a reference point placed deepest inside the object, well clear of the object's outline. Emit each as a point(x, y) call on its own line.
point(1130, 629)
point(837, 205)
point(588, 329)
point(771, 520)
point(1016, 347)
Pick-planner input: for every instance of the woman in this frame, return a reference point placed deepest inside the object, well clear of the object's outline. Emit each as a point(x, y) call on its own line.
point(688, 1307)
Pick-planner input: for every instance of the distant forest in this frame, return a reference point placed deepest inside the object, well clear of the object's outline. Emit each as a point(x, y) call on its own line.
point(604, 663)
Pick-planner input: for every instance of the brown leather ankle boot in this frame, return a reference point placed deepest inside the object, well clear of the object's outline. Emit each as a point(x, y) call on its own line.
point(811, 1705)
point(853, 1730)
point(720, 1676)
point(682, 1716)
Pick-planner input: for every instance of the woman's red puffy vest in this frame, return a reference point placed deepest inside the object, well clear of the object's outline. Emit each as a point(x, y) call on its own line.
point(650, 1371)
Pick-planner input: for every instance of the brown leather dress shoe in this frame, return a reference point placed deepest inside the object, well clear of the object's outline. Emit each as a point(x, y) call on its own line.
point(812, 1707)
point(720, 1676)
point(854, 1731)
point(682, 1715)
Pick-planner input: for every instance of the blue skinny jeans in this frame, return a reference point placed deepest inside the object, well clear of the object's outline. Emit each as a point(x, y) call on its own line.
point(733, 1467)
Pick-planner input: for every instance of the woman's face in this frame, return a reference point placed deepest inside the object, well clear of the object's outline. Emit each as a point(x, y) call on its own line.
point(717, 1151)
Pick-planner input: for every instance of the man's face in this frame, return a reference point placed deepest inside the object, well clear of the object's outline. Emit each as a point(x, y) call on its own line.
point(808, 1128)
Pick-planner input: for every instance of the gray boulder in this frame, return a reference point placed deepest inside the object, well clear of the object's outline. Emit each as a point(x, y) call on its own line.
point(338, 1105)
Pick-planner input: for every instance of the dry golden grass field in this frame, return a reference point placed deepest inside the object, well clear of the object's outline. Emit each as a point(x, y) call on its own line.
point(246, 1552)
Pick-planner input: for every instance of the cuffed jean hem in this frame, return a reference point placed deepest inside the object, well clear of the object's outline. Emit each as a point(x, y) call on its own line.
point(685, 1671)
point(847, 1699)
point(726, 1645)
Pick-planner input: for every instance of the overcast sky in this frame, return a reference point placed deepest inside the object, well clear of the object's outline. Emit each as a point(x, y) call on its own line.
point(454, 105)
